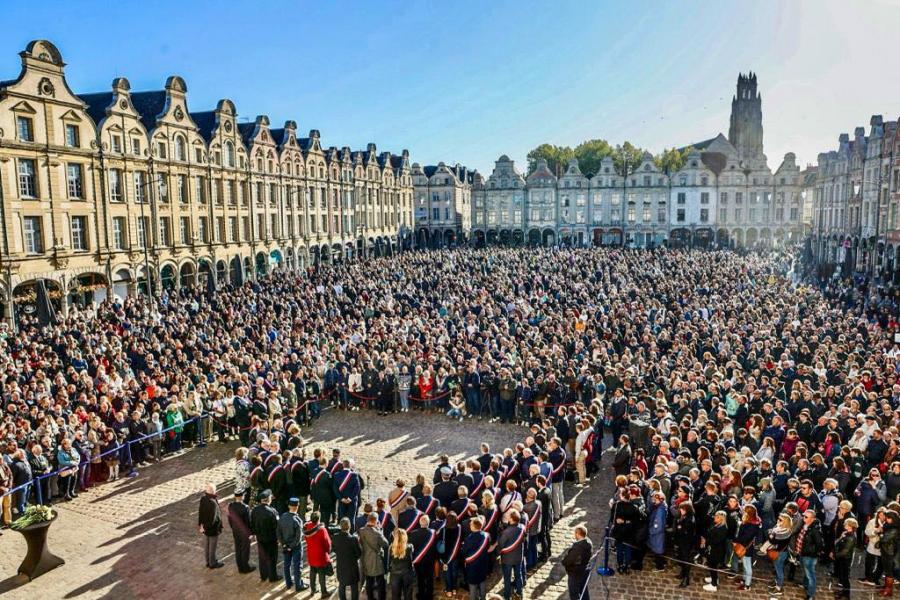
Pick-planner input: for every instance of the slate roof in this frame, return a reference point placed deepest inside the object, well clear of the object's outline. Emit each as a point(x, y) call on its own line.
point(246, 130)
point(206, 122)
point(149, 105)
point(429, 170)
point(97, 104)
point(698, 145)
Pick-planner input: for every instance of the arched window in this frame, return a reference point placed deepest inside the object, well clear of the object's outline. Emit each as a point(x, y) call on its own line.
point(229, 154)
point(180, 149)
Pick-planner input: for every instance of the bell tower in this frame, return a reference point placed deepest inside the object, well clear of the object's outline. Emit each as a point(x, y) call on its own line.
point(745, 131)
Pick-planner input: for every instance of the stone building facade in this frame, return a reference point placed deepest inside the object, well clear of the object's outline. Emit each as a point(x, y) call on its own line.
point(855, 193)
point(443, 204)
point(725, 194)
point(122, 191)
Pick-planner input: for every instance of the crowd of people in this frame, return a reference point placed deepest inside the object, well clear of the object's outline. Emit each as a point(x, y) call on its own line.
point(455, 525)
point(707, 360)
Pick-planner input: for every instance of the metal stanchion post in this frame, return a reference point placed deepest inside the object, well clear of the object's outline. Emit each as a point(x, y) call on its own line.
point(605, 570)
point(202, 443)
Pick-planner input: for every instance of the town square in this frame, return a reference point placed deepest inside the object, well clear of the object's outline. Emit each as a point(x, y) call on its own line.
point(605, 307)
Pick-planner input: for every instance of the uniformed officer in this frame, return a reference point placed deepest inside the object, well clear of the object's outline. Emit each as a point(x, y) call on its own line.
point(445, 489)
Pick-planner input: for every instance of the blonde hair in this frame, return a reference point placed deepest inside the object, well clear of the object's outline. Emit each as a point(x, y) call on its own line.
point(398, 547)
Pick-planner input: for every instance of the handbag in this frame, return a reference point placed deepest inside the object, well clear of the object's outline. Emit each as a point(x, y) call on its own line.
point(772, 554)
point(740, 550)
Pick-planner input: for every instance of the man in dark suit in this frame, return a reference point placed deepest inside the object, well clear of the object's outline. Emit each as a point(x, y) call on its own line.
point(577, 561)
point(424, 542)
point(347, 552)
point(239, 520)
point(264, 525)
point(210, 524)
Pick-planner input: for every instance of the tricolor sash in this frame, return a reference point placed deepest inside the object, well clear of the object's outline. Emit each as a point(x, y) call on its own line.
point(477, 489)
point(346, 480)
point(414, 522)
point(274, 472)
point(430, 506)
point(318, 476)
point(536, 515)
point(480, 550)
point(456, 544)
point(515, 544)
point(418, 557)
point(490, 521)
point(395, 503)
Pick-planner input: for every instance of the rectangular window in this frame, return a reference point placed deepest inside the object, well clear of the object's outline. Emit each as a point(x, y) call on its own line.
point(645, 214)
point(737, 214)
point(27, 178)
point(681, 197)
point(661, 214)
point(723, 198)
point(79, 233)
point(233, 229)
point(631, 215)
point(183, 189)
point(435, 213)
point(163, 188)
point(118, 227)
point(198, 155)
point(723, 214)
point(25, 129)
point(779, 214)
point(115, 185)
point(161, 149)
point(220, 228)
point(185, 230)
point(34, 237)
point(704, 197)
point(164, 239)
point(260, 226)
point(204, 230)
point(246, 221)
point(680, 216)
point(751, 214)
point(704, 215)
point(72, 135)
point(74, 181)
point(200, 189)
point(116, 143)
point(273, 193)
point(139, 195)
point(795, 214)
point(136, 146)
point(143, 224)
point(738, 197)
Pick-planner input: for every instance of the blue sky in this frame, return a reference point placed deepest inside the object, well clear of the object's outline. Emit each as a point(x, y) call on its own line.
point(469, 80)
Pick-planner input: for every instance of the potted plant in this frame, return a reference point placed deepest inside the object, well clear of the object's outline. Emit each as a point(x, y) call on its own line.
point(33, 525)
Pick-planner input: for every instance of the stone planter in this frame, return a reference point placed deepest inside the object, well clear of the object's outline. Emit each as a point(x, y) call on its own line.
point(39, 559)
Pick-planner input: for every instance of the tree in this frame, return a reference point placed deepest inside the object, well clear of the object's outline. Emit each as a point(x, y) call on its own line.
point(556, 157)
point(590, 154)
point(672, 159)
point(627, 155)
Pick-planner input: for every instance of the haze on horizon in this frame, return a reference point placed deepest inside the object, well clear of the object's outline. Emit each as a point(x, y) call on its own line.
point(473, 81)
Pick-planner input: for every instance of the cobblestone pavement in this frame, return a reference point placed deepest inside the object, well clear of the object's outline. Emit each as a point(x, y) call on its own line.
point(137, 538)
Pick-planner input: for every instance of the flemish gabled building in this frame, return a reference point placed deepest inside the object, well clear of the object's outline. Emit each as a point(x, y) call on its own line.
point(854, 205)
point(443, 204)
point(120, 192)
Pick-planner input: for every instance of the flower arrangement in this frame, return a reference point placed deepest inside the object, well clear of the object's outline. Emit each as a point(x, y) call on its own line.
point(32, 516)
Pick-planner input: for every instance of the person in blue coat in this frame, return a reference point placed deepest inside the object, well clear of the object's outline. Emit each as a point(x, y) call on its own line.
point(656, 539)
point(476, 559)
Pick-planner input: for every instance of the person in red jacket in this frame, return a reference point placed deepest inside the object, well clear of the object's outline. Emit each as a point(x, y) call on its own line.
point(318, 553)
